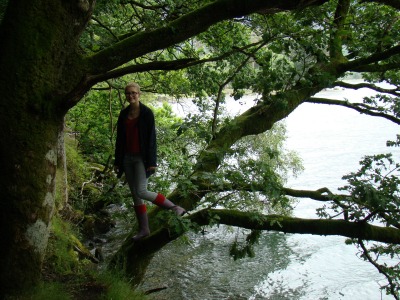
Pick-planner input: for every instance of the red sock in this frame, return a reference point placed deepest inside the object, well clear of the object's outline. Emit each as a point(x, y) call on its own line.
point(140, 209)
point(159, 200)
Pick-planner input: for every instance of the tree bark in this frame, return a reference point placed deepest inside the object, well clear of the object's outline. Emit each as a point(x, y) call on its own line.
point(359, 230)
point(37, 43)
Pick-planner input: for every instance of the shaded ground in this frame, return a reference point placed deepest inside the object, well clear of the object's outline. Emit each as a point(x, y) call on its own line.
point(79, 286)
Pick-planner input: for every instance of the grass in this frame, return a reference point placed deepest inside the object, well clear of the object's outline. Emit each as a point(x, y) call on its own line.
point(66, 276)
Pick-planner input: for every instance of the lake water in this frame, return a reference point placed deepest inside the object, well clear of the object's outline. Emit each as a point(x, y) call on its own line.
point(331, 141)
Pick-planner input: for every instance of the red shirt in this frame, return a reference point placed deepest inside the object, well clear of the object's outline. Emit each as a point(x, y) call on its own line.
point(132, 136)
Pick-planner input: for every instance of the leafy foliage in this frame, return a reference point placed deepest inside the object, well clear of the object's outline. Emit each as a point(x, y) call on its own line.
point(93, 124)
point(385, 259)
point(267, 54)
point(256, 169)
point(374, 196)
point(373, 192)
point(238, 251)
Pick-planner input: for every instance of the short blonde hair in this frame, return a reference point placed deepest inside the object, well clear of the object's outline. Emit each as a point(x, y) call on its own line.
point(134, 85)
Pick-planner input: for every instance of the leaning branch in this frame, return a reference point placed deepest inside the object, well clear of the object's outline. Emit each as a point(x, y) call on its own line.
point(323, 194)
point(256, 221)
point(374, 62)
point(360, 107)
point(393, 91)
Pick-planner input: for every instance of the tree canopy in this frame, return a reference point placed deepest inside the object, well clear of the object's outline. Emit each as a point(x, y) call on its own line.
point(53, 53)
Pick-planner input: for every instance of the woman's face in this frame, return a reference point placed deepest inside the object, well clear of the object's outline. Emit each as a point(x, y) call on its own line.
point(132, 95)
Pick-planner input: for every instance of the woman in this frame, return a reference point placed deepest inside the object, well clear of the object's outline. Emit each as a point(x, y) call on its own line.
point(136, 155)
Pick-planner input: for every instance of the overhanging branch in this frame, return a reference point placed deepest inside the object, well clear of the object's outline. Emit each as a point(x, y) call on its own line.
point(360, 107)
point(374, 62)
point(127, 255)
point(256, 221)
point(393, 91)
point(323, 194)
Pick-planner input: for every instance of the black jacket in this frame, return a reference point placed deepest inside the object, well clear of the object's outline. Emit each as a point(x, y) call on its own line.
point(147, 138)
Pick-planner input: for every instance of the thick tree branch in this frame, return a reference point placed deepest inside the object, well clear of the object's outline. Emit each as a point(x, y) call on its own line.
point(249, 220)
point(360, 107)
point(284, 224)
point(257, 221)
point(323, 194)
point(336, 41)
point(370, 63)
point(257, 119)
point(376, 68)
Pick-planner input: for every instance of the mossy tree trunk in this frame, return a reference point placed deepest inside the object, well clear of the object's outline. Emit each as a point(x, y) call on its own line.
point(61, 174)
point(37, 65)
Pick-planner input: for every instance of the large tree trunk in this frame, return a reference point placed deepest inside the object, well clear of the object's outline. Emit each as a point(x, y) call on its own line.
point(36, 69)
point(27, 191)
